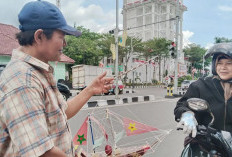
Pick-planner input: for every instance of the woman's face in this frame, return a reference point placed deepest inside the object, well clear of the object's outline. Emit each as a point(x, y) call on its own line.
point(224, 69)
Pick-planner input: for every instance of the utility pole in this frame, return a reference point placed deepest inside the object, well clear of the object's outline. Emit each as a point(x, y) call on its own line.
point(203, 65)
point(116, 52)
point(177, 47)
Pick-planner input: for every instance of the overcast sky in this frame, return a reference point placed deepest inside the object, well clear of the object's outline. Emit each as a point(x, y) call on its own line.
point(203, 21)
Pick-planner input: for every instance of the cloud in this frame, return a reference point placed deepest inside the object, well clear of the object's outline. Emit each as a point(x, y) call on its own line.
point(225, 8)
point(208, 45)
point(186, 36)
point(92, 17)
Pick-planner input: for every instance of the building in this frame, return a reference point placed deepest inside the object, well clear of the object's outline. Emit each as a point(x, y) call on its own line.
point(8, 42)
point(149, 19)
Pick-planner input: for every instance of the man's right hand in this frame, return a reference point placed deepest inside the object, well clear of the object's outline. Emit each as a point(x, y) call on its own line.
point(188, 123)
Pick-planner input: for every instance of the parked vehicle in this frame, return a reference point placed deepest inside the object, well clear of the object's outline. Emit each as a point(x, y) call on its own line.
point(83, 75)
point(211, 142)
point(113, 89)
point(2, 67)
point(186, 83)
point(64, 90)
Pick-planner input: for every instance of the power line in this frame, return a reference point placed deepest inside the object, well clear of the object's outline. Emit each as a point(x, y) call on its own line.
point(171, 19)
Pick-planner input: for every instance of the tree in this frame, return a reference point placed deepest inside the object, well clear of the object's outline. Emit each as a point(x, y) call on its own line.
point(132, 45)
point(104, 44)
point(84, 49)
point(158, 47)
point(195, 54)
point(222, 40)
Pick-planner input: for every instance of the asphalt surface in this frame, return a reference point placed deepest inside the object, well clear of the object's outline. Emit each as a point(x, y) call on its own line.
point(158, 113)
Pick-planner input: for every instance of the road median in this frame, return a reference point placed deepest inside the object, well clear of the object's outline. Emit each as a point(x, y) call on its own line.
point(127, 100)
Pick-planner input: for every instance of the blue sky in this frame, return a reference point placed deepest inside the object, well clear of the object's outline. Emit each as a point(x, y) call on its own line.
point(203, 21)
point(207, 20)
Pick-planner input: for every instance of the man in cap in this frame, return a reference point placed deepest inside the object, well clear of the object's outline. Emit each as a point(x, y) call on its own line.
point(33, 114)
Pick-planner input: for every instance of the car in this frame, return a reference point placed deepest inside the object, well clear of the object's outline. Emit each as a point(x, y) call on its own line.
point(186, 83)
point(2, 67)
point(64, 90)
point(120, 88)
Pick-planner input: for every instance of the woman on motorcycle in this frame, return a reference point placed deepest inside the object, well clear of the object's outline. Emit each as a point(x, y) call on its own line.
point(216, 90)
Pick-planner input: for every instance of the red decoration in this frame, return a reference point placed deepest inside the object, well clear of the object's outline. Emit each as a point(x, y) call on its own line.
point(108, 149)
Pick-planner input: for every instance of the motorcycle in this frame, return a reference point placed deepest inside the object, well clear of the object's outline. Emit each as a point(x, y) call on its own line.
point(209, 142)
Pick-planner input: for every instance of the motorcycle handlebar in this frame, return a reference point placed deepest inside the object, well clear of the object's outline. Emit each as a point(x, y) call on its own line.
point(202, 130)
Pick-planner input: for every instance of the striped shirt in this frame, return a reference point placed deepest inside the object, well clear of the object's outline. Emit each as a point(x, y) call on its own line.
point(32, 110)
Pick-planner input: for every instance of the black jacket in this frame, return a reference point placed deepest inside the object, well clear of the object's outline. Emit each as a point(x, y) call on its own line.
point(210, 90)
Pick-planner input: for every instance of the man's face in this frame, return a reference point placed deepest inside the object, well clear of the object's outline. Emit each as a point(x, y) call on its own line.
point(51, 49)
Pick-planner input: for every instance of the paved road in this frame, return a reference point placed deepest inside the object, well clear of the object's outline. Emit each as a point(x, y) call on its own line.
point(158, 113)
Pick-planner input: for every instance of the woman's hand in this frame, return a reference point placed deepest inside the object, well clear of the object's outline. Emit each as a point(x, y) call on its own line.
point(100, 85)
point(188, 122)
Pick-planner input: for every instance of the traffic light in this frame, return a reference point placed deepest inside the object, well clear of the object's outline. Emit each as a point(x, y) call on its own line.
point(173, 50)
point(111, 31)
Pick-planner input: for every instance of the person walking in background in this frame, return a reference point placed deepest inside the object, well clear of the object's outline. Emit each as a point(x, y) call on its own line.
point(33, 114)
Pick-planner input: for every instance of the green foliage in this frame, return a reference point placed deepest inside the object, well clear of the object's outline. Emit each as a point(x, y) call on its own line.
point(157, 47)
point(222, 40)
point(83, 50)
point(195, 54)
point(154, 81)
point(104, 44)
point(181, 79)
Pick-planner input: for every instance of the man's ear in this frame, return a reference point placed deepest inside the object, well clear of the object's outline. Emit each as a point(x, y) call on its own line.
point(38, 36)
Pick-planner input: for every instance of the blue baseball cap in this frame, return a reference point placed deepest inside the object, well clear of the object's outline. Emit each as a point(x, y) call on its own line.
point(44, 15)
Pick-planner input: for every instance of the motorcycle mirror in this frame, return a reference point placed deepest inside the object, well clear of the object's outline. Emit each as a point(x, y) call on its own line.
point(197, 104)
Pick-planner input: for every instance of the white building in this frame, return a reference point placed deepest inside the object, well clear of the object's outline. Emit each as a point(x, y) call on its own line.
point(149, 19)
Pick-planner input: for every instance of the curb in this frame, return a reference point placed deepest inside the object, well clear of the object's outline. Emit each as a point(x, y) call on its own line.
point(128, 91)
point(75, 92)
point(101, 103)
point(174, 96)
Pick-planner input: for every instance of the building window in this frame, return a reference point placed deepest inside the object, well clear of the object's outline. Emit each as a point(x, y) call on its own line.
point(148, 19)
point(139, 35)
point(139, 21)
point(157, 8)
point(163, 9)
point(131, 14)
point(148, 27)
point(162, 34)
point(148, 9)
point(148, 35)
point(139, 11)
point(163, 18)
point(131, 23)
point(156, 26)
point(109, 61)
point(156, 17)
point(156, 34)
point(172, 10)
point(163, 25)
